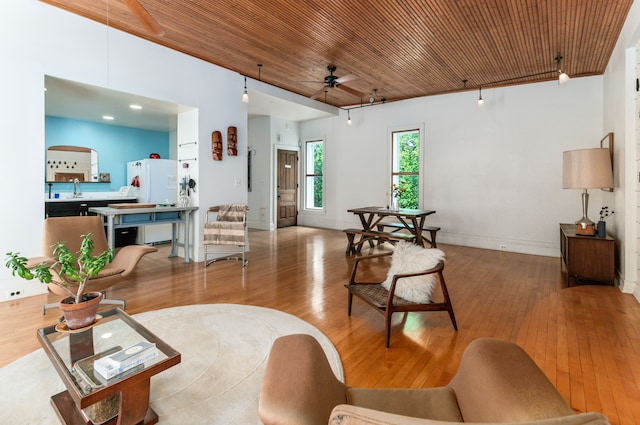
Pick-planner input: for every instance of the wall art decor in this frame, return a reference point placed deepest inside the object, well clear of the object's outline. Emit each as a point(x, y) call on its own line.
point(232, 141)
point(216, 145)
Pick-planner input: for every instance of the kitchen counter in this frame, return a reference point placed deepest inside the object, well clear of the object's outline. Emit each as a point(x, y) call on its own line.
point(110, 198)
point(68, 207)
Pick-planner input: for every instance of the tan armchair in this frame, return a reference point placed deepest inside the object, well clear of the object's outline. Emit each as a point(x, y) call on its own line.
point(70, 230)
point(497, 382)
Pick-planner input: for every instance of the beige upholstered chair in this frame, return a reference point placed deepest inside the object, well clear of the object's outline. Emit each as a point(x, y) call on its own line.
point(497, 382)
point(70, 230)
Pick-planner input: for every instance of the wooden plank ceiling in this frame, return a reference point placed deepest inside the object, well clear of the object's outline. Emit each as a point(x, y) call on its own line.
point(402, 48)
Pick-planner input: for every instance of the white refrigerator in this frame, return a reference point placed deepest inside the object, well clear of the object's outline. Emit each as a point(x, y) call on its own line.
point(154, 181)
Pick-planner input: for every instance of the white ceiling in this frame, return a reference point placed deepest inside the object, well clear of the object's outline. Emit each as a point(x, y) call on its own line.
point(69, 99)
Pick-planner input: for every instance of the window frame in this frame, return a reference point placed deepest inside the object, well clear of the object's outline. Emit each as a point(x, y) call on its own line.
point(310, 193)
point(421, 158)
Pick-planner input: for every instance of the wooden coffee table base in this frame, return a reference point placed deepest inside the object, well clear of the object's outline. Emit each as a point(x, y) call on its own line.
point(69, 413)
point(129, 390)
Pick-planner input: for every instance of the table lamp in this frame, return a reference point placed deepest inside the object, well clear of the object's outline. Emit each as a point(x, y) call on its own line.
point(586, 169)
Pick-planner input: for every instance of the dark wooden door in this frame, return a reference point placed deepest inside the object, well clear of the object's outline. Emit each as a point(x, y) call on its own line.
point(287, 188)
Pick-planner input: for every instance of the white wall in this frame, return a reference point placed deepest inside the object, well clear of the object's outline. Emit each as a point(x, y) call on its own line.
point(259, 199)
point(620, 103)
point(493, 174)
point(43, 40)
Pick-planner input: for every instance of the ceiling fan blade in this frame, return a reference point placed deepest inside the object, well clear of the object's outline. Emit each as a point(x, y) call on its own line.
point(144, 17)
point(348, 77)
point(319, 92)
point(350, 91)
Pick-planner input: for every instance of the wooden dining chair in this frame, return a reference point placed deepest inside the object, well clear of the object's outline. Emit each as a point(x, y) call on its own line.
point(387, 301)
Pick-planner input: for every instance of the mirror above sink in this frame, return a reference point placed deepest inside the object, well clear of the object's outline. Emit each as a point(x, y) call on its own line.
point(66, 163)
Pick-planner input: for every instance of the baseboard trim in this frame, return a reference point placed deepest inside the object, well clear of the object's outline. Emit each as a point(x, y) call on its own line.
point(547, 249)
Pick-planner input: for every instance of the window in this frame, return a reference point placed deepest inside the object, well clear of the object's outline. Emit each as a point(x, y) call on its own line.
point(314, 168)
point(405, 166)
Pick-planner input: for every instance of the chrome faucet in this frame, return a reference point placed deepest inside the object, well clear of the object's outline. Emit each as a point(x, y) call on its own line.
point(76, 188)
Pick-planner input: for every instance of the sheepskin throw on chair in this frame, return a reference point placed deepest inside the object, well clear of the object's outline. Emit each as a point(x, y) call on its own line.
point(410, 258)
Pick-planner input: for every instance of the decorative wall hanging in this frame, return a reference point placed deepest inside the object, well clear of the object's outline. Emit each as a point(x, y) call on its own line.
point(216, 145)
point(250, 152)
point(232, 141)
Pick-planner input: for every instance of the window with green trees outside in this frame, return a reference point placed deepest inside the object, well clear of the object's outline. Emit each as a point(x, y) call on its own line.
point(405, 172)
point(314, 166)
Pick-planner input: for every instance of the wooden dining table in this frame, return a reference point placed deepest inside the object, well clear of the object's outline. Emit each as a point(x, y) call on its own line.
point(413, 220)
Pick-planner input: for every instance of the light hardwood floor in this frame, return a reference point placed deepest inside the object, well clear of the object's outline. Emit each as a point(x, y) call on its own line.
point(585, 338)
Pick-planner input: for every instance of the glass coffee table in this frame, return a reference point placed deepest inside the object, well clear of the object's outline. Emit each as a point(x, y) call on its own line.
point(91, 399)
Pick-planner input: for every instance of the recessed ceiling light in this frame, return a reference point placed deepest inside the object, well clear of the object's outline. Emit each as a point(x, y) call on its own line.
point(135, 106)
point(107, 117)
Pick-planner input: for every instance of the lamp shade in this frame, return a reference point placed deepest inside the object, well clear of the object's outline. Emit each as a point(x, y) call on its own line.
point(587, 169)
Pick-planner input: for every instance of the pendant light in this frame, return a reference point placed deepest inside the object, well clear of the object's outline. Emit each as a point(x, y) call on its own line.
point(348, 117)
point(562, 76)
point(245, 95)
point(480, 99)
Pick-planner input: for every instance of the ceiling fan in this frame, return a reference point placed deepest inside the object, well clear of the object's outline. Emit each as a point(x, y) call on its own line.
point(144, 17)
point(333, 81)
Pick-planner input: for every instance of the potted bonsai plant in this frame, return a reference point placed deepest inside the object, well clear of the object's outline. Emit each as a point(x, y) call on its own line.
point(67, 270)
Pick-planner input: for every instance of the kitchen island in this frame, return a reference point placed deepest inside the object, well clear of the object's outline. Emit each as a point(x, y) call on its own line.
point(128, 215)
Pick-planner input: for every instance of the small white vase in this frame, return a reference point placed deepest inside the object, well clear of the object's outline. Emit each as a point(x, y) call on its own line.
point(394, 203)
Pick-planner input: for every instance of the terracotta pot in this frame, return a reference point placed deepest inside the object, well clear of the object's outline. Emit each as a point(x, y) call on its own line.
point(82, 314)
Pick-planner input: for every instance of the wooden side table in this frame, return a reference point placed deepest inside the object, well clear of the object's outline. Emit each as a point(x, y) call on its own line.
point(129, 390)
point(587, 259)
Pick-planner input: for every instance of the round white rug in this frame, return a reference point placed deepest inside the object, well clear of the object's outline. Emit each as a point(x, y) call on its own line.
point(224, 350)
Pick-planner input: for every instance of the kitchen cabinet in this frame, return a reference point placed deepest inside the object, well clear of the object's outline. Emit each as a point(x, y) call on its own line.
point(69, 208)
point(587, 259)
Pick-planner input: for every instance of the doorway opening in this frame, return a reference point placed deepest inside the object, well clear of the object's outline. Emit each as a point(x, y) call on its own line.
point(287, 188)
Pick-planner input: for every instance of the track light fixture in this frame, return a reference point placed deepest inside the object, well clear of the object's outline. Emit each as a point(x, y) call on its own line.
point(245, 95)
point(562, 76)
point(362, 105)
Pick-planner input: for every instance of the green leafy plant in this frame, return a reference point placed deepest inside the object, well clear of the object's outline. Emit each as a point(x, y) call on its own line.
point(71, 269)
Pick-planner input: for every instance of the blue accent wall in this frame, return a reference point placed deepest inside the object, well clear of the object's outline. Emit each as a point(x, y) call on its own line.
point(115, 146)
